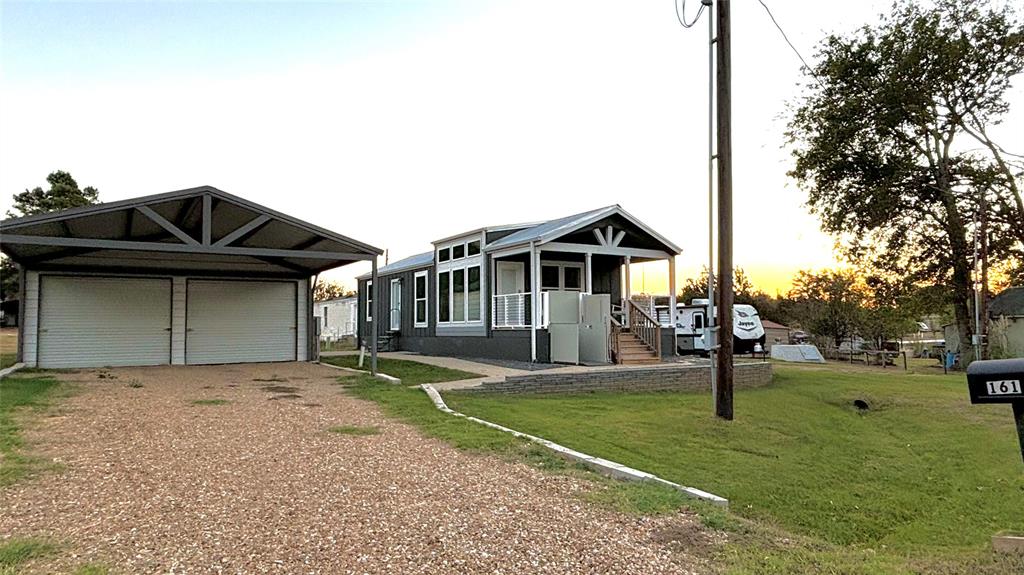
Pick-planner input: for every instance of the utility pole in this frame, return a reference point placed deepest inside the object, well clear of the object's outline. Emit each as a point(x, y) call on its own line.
point(723, 391)
point(983, 304)
point(709, 318)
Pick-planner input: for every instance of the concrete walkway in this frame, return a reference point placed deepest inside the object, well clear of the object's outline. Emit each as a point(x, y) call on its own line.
point(488, 371)
point(496, 373)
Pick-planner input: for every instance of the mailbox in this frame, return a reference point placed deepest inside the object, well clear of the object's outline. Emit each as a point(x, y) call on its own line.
point(996, 380)
point(999, 381)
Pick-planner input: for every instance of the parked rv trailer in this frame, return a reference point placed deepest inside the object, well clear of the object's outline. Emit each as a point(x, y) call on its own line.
point(691, 320)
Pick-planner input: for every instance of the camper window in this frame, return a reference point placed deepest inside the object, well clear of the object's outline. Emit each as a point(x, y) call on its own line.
point(698, 320)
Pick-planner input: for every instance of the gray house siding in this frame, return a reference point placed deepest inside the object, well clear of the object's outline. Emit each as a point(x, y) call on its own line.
point(607, 276)
point(382, 307)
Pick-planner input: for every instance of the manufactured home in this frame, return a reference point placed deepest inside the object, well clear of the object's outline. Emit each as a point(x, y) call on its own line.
point(554, 291)
point(337, 318)
point(197, 276)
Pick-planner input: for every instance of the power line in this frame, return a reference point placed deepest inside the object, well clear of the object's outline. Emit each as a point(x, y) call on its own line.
point(807, 67)
point(681, 14)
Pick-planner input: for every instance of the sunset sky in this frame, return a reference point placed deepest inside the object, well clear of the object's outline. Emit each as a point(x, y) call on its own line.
point(397, 123)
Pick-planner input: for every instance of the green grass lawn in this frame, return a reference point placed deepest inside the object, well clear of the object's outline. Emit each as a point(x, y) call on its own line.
point(19, 392)
point(410, 372)
point(917, 484)
point(8, 359)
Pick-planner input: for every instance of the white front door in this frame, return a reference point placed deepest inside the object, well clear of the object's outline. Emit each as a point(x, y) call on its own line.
point(511, 277)
point(396, 305)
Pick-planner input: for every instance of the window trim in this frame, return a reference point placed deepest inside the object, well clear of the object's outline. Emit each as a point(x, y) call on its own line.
point(425, 299)
point(561, 265)
point(369, 300)
point(464, 267)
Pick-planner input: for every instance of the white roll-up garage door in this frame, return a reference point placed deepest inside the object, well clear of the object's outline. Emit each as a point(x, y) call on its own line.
point(240, 321)
point(95, 322)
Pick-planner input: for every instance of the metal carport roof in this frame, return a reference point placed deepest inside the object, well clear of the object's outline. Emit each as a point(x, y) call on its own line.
point(200, 231)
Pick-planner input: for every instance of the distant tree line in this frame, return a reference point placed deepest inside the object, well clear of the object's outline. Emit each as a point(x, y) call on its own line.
point(836, 304)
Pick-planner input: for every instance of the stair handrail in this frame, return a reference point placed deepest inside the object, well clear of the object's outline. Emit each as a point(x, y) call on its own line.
point(645, 327)
point(613, 339)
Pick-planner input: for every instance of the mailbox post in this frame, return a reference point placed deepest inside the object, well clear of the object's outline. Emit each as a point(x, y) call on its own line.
point(999, 381)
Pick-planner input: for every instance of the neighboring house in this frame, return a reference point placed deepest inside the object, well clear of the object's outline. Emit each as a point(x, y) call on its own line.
point(1006, 323)
point(337, 317)
point(487, 292)
point(197, 276)
point(774, 333)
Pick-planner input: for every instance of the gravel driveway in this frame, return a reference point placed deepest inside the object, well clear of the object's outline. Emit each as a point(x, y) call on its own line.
point(156, 483)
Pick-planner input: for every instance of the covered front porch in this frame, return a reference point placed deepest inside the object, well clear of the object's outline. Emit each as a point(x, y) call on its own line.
point(531, 283)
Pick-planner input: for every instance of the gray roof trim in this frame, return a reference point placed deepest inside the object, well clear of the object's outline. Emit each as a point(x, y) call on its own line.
point(417, 261)
point(15, 223)
point(554, 229)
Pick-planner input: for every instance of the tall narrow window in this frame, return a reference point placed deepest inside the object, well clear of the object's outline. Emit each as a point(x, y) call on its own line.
point(369, 301)
point(698, 321)
point(420, 294)
point(473, 293)
point(459, 295)
point(443, 297)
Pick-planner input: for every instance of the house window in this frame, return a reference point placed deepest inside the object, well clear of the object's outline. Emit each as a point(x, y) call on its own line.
point(473, 248)
point(369, 301)
point(458, 251)
point(459, 295)
point(420, 296)
point(461, 288)
point(563, 276)
point(473, 294)
point(443, 255)
point(325, 318)
point(443, 297)
point(549, 277)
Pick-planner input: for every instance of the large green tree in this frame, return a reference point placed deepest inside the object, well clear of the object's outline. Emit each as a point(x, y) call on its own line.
point(828, 304)
point(63, 193)
point(891, 142)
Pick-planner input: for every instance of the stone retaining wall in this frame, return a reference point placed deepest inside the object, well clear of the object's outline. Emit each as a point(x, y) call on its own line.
point(654, 378)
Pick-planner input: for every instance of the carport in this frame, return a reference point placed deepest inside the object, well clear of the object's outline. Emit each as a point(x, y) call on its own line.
point(196, 276)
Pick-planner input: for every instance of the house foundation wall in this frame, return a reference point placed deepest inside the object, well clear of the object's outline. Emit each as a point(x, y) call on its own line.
point(657, 378)
point(500, 344)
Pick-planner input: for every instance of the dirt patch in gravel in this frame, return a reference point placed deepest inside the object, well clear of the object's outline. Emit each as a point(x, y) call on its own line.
point(154, 484)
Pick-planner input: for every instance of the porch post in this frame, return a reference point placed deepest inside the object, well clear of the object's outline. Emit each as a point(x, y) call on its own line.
point(672, 298)
point(627, 291)
point(534, 301)
point(590, 273)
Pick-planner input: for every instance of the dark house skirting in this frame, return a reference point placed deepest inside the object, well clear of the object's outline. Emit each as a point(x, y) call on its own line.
point(501, 344)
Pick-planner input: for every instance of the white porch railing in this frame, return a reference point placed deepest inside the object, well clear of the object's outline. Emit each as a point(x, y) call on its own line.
point(510, 310)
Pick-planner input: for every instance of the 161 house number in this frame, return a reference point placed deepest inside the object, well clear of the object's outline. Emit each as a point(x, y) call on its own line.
point(1006, 387)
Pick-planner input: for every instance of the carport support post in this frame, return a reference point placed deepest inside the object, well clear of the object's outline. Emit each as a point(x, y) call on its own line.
point(373, 319)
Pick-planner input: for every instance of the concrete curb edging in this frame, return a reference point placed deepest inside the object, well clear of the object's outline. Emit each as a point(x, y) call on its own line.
point(9, 370)
point(380, 376)
point(610, 468)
